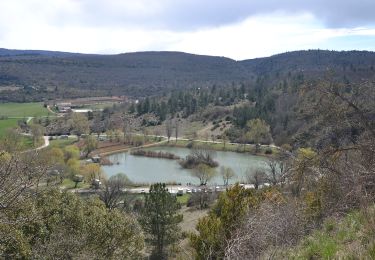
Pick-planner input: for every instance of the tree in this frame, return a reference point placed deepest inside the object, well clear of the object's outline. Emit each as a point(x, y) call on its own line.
point(80, 124)
point(18, 173)
point(126, 129)
point(159, 219)
point(304, 173)
point(256, 177)
point(168, 128)
point(224, 138)
point(11, 141)
point(176, 127)
point(113, 190)
point(71, 152)
point(92, 171)
point(215, 229)
point(60, 225)
point(204, 173)
point(276, 169)
point(226, 173)
point(77, 179)
point(258, 131)
point(91, 143)
point(37, 132)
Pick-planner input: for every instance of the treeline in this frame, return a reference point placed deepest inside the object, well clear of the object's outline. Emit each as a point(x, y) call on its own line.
point(189, 102)
point(154, 154)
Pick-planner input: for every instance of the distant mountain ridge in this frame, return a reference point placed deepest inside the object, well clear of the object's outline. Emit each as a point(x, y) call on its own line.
point(10, 52)
point(51, 73)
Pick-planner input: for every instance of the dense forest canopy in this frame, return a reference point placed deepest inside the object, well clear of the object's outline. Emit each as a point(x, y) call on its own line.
point(38, 75)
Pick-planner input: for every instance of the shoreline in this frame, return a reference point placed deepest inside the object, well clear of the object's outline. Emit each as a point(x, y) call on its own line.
point(126, 149)
point(275, 150)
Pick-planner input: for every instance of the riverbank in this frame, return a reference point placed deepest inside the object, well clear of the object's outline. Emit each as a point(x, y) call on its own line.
point(121, 148)
point(263, 150)
point(153, 154)
point(268, 151)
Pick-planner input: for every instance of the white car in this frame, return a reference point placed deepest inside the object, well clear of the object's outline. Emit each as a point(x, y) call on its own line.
point(188, 190)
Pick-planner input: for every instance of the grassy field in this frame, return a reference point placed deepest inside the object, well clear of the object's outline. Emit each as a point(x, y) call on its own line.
point(183, 199)
point(99, 106)
point(69, 184)
point(22, 109)
point(6, 124)
point(61, 143)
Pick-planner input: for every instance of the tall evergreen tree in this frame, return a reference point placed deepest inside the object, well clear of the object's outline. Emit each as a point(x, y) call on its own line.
point(160, 219)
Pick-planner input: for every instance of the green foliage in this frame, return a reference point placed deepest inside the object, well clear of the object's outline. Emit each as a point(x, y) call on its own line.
point(227, 173)
point(71, 152)
point(11, 141)
point(90, 144)
point(204, 173)
point(217, 227)
point(350, 237)
point(258, 131)
point(183, 200)
point(160, 219)
point(61, 225)
point(79, 123)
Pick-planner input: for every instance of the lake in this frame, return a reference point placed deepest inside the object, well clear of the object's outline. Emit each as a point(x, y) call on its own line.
point(150, 170)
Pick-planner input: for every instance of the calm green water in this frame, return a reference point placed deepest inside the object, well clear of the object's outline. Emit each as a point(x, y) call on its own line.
point(151, 170)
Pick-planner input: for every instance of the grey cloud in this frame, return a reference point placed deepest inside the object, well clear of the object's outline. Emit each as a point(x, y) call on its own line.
point(193, 14)
point(334, 13)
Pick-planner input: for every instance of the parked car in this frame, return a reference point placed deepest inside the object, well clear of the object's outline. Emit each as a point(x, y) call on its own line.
point(188, 190)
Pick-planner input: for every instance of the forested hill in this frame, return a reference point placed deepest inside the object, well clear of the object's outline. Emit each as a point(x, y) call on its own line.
point(34, 75)
point(12, 53)
point(313, 61)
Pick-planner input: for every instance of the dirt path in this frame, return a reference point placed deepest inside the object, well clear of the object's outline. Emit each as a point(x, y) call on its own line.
point(46, 143)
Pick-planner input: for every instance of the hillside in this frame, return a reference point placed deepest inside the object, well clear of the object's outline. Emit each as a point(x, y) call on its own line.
point(138, 74)
point(34, 75)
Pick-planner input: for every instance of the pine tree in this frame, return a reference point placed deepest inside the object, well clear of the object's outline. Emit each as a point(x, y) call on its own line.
point(160, 219)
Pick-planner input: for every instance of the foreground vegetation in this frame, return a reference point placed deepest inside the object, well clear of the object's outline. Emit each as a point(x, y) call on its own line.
point(351, 237)
point(323, 175)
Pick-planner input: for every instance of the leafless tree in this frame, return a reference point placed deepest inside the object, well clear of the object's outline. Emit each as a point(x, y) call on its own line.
point(126, 129)
point(224, 138)
point(168, 128)
point(256, 177)
point(19, 172)
point(204, 173)
point(203, 153)
point(176, 127)
point(226, 173)
point(277, 171)
point(113, 190)
point(272, 225)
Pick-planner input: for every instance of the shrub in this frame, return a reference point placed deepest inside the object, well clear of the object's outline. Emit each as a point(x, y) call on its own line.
point(268, 151)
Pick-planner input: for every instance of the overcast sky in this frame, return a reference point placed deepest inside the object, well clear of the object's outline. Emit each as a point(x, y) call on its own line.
point(239, 29)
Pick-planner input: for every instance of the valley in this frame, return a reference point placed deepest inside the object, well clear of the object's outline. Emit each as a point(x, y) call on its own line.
point(224, 145)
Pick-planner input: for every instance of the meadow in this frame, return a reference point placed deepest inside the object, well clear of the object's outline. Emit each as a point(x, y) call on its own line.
point(6, 124)
point(23, 110)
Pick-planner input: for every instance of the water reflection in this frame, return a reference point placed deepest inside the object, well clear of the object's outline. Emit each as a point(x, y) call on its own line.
point(150, 170)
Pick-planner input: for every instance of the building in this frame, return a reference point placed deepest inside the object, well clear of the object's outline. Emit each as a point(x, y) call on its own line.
point(64, 107)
